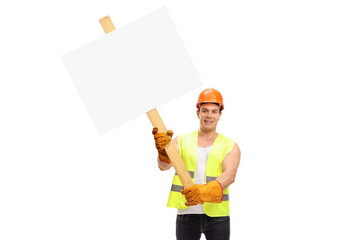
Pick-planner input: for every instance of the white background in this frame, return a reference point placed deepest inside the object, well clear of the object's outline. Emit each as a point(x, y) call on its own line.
point(289, 74)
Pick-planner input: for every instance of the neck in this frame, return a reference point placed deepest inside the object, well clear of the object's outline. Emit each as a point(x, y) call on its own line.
point(207, 134)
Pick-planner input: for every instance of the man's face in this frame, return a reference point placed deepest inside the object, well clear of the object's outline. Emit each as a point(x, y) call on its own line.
point(209, 115)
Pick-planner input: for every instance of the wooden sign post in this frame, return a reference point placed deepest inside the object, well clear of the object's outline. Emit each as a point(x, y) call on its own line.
point(156, 121)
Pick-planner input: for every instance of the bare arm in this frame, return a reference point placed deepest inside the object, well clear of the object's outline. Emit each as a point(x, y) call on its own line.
point(166, 166)
point(230, 165)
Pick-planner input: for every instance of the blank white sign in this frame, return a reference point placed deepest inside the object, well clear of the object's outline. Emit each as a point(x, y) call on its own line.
point(132, 70)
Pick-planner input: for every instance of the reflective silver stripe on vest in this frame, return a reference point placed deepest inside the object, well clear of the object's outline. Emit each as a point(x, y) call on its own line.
point(209, 179)
point(178, 188)
point(192, 174)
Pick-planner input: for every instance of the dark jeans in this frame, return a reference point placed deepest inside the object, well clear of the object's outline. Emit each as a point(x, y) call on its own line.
point(190, 227)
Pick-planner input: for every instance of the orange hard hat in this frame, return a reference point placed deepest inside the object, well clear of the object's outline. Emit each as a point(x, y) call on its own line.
point(210, 95)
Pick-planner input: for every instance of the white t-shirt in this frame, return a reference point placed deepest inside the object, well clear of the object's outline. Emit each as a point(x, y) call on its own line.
point(202, 156)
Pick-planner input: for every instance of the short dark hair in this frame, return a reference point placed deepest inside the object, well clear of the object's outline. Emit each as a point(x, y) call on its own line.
point(218, 104)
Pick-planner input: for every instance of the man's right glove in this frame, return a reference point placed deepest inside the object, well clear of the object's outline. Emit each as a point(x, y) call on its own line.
point(161, 139)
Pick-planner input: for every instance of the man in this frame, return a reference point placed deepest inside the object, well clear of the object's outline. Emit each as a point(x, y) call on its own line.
point(212, 161)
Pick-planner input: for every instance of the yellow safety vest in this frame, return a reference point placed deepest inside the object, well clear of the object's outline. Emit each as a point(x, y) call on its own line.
point(188, 152)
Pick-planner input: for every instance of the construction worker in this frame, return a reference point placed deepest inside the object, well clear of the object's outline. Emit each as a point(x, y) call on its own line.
point(212, 161)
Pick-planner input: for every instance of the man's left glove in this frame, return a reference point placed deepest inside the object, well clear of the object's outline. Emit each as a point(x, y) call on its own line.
point(198, 194)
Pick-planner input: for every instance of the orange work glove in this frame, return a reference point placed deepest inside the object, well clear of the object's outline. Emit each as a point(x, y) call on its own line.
point(161, 139)
point(198, 194)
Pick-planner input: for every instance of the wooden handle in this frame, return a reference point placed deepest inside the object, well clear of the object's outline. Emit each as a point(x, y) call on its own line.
point(107, 24)
point(179, 165)
point(171, 150)
point(156, 121)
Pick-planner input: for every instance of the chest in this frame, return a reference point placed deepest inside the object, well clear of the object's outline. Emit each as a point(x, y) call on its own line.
point(205, 142)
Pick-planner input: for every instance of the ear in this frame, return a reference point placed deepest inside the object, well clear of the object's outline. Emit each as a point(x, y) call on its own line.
point(197, 113)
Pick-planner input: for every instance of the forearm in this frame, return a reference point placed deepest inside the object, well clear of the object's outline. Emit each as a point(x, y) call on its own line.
point(230, 165)
point(163, 165)
point(226, 179)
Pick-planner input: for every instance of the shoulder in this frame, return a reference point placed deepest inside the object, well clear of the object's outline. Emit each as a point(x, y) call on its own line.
point(227, 141)
point(236, 148)
point(178, 140)
point(226, 138)
point(234, 154)
point(187, 136)
point(230, 144)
